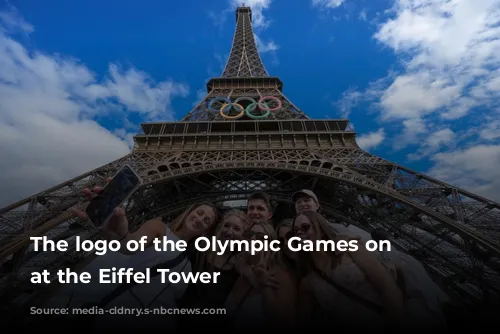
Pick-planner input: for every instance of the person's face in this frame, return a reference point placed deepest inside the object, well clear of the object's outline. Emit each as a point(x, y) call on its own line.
point(200, 219)
point(257, 232)
point(284, 233)
point(305, 203)
point(258, 211)
point(304, 229)
point(232, 228)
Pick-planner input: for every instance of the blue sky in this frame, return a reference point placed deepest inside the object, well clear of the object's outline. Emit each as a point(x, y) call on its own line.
point(419, 79)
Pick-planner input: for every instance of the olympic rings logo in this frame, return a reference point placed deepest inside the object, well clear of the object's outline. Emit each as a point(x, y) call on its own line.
point(227, 105)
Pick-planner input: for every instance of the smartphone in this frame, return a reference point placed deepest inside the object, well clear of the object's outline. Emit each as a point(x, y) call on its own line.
point(118, 190)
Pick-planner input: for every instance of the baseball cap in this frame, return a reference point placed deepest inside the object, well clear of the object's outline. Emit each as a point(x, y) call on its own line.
point(305, 192)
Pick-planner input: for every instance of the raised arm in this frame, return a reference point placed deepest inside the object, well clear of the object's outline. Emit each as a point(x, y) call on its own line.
point(152, 229)
point(117, 227)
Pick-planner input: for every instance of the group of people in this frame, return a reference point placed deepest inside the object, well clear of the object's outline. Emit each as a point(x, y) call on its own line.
point(284, 289)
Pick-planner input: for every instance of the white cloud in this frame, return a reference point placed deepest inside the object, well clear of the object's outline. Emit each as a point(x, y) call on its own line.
point(449, 47)
point(201, 94)
point(415, 95)
point(490, 131)
point(13, 21)
point(413, 129)
point(350, 99)
point(474, 168)
point(259, 21)
point(362, 15)
point(327, 3)
point(48, 105)
point(451, 52)
point(438, 138)
point(450, 59)
point(371, 140)
point(269, 47)
point(264, 47)
point(434, 143)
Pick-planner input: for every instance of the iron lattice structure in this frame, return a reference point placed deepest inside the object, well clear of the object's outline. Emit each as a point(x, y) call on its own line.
point(225, 149)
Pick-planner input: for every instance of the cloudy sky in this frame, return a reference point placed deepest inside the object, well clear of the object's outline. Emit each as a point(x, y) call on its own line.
point(419, 79)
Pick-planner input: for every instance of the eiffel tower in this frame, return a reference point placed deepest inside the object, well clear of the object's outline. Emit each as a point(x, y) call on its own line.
point(247, 136)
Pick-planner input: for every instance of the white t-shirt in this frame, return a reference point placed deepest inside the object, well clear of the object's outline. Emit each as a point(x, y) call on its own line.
point(148, 305)
point(152, 296)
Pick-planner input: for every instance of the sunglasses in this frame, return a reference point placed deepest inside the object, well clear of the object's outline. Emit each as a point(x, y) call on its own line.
point(258, 235)
point(292, 233)
point(304, 229)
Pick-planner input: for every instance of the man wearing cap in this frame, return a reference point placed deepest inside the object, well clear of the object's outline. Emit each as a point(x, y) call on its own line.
point(306, 200)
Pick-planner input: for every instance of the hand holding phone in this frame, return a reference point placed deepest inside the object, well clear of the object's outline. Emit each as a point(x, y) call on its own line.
point(116, 227)
point(104, 211)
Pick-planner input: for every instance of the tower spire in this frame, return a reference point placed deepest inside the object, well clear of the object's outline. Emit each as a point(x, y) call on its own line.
point(245, 91)
point(244, 59)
